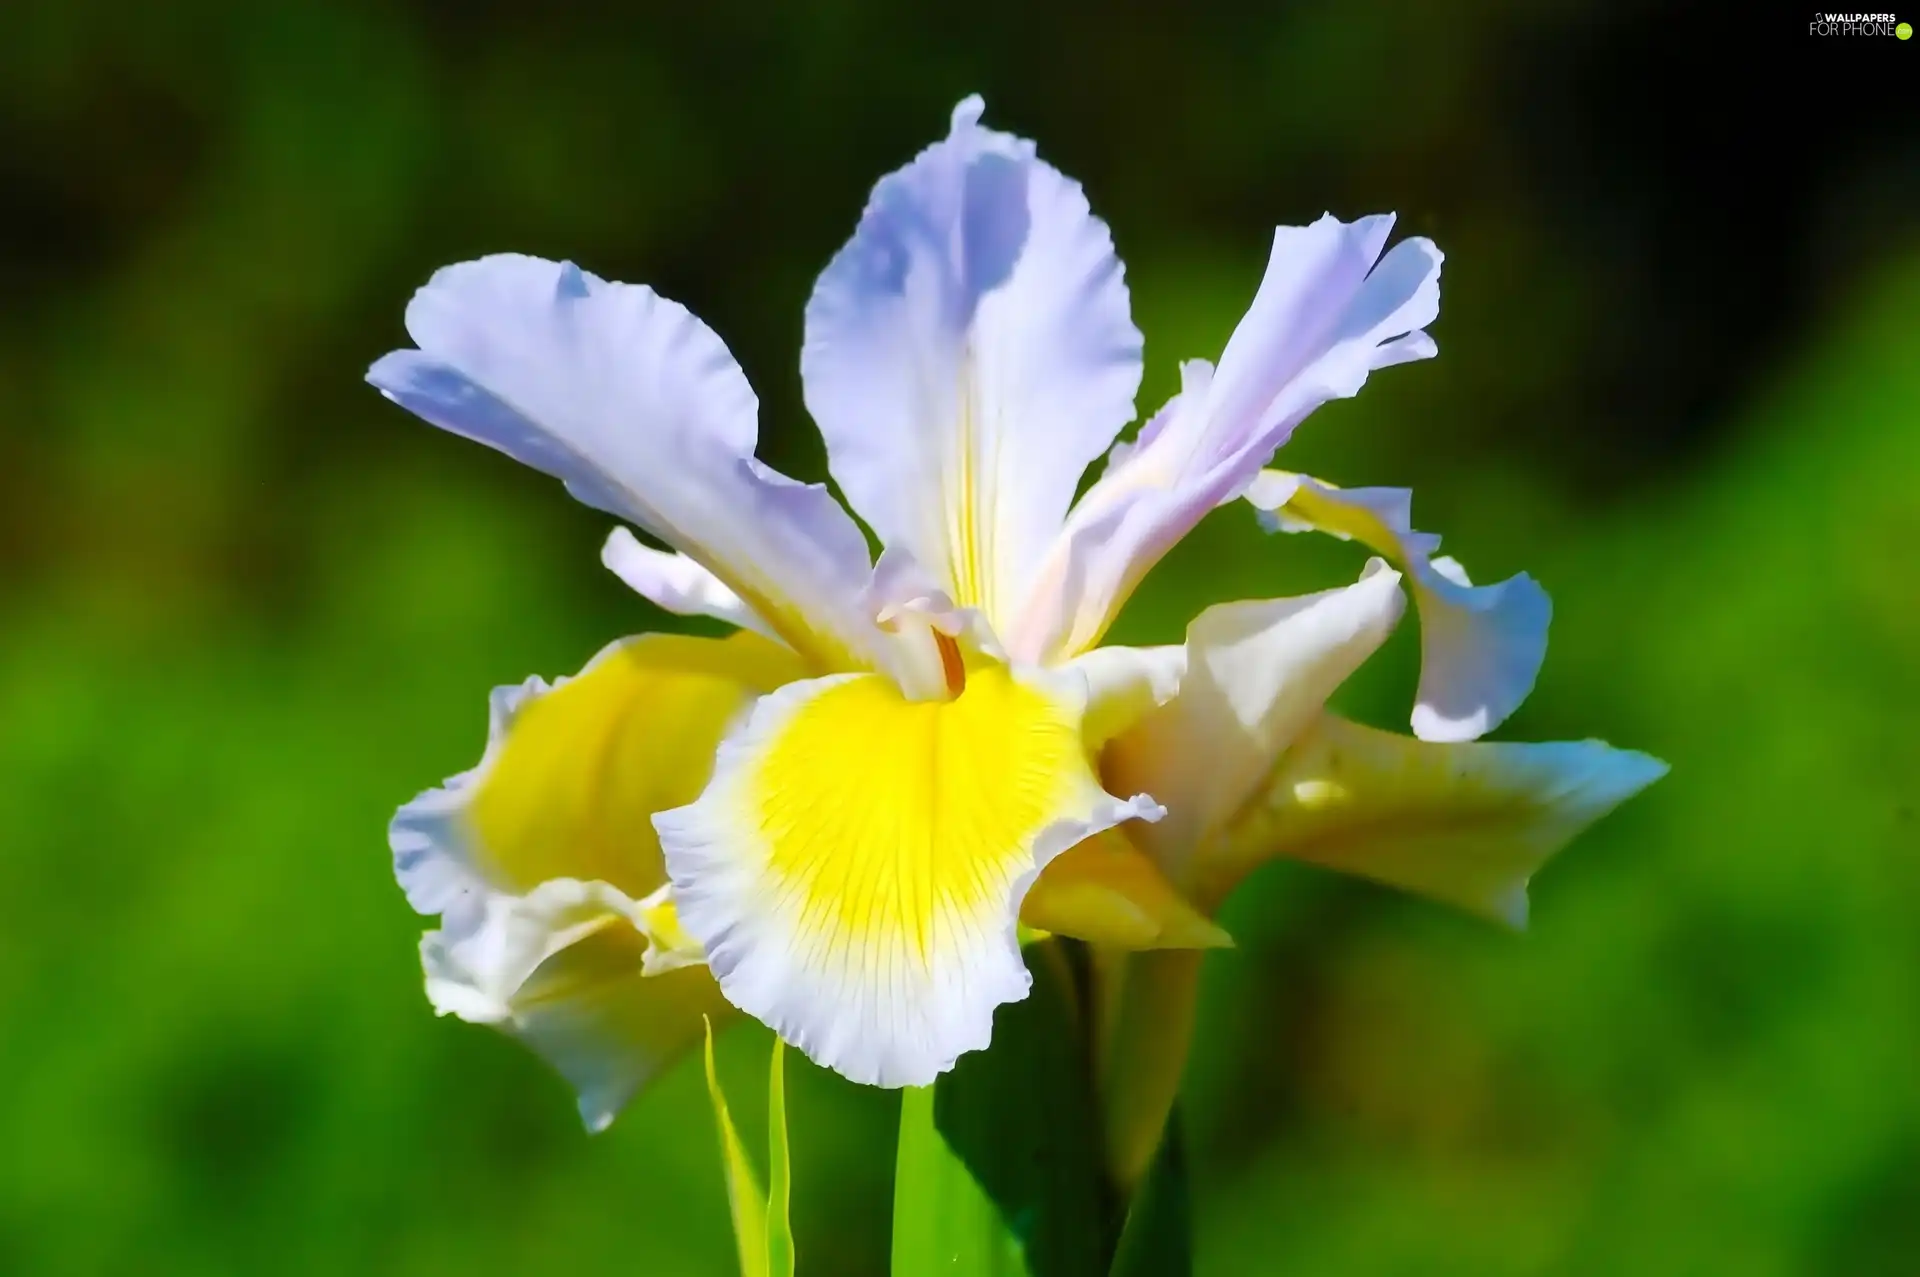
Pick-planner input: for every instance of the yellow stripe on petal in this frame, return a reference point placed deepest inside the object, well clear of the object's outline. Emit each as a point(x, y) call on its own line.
point(855, 868)
point(572, 789)
point(965, 784)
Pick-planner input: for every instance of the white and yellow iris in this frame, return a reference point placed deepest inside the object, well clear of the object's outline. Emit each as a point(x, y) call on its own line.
point(834, 819)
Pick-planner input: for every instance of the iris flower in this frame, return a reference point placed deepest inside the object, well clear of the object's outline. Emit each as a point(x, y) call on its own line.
point(836, 818)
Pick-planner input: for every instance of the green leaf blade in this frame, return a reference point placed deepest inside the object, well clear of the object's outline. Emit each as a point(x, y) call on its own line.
point(744, 1196)
point(1000, 1171)
point(779, 1256)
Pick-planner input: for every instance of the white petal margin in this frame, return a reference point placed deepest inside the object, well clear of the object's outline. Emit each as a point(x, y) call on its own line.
point(638, 407)
point(566, 969)
point(432, 858)
point(1330, 311)
point(1481, 647)
point(674, 583)
point(1467, 823)
point(968, 354)
point(1257, 673)
point(852, 887)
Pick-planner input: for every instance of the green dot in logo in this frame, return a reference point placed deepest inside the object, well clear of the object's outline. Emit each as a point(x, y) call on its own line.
point(1904, 31)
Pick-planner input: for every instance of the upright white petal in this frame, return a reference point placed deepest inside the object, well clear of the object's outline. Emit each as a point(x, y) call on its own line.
point(1481, 647)
point(1256, 674)
point(968, 354)
point(638, 407)
point(1327, 314)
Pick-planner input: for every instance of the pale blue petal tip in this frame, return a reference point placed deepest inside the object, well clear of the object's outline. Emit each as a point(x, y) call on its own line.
point(451, 400)
point(443, 396)
point(571, 285)
point(967, 114)
point(1636, 771)
point(595, 1113)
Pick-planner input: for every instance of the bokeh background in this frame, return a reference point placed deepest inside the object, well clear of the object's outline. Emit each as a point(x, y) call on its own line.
point(247, 607)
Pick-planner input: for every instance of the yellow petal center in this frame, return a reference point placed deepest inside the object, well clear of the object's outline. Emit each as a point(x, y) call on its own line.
point(909, 820)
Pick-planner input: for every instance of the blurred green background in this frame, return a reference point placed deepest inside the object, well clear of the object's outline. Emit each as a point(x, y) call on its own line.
point(247, 608)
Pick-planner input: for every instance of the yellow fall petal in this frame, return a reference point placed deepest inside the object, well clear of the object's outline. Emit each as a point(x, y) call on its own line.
point(556, 924)
point(583, 768)
point(855, 868)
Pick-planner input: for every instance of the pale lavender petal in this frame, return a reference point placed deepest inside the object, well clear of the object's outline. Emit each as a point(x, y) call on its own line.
point(1481, 647)
point(968, 353)
point(675, 583)
point(640, 410)
point(1326, 315)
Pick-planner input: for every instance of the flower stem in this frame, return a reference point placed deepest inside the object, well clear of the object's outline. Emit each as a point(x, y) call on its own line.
point(1147, 1027)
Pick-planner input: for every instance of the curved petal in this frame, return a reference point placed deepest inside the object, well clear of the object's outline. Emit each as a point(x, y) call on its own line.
point(855, 869)
point(572, 774)
point(675, 583)
point(968, 354)
point(1464, 823)
point(433, 852)
point(1257, 674)
point(544, 867)
point(638, 407)
point(1327, 314)
point(1481, 647)
point(1124, 684)
point(565, 969)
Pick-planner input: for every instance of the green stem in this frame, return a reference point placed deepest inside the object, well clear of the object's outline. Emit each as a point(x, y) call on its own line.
point(1147, 1030)
point(943, 1220)
point(1158, 1237)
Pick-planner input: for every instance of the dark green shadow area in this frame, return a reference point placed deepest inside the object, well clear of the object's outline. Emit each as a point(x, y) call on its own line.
point(1022, 1118)
point(1157, 1239)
